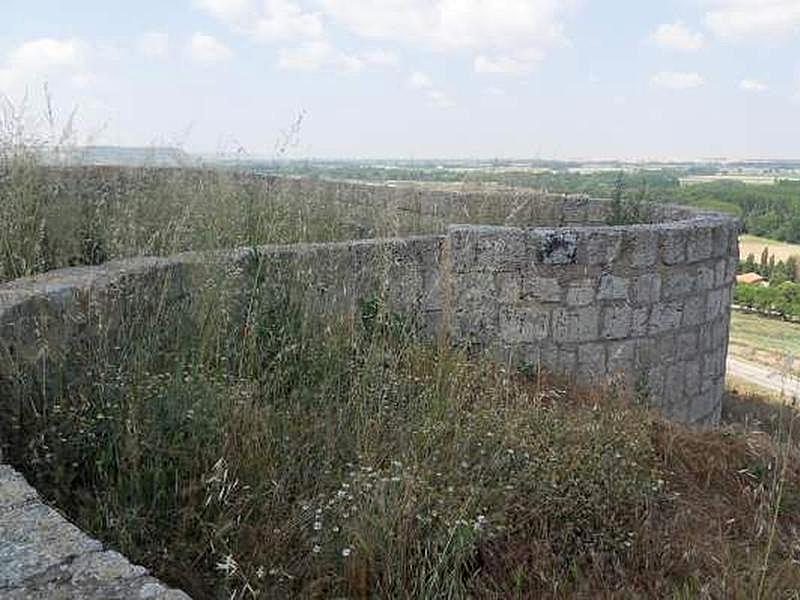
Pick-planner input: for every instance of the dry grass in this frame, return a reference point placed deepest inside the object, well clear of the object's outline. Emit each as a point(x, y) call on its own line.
point(751, 244)
point(269, 454)
point(771, 342)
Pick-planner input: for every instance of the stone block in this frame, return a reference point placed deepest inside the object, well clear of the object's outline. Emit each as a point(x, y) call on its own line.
point(720, 273)
point(719, 332)
point(721, 240)
point(523, 325)
point(716, 304)
point(647, 288)
point(640, 320)
point(666, 348)
point(592, 361)
point(687, 343)
point(642, 244)
point(691, 373)
point(555, 247)
point(613, 287)
point(599, 247)
point(678, 283)
point(666, 316)
point(646, 354)
point(581, 293)
point(672, 245)
point(541, 289)
point(616, 322)
point(713, 365)
point(730, 270)
point(700, 244)
point(694, 311)
point(575, 324)
point(509, 287)
point(474, 290)
point(706, 274)
point(674, 396)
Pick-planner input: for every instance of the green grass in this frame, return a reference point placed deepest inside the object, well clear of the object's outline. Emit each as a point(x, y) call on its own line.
point(771, 342)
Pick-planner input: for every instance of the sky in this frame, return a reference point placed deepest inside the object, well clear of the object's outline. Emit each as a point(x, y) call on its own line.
point(412, 79)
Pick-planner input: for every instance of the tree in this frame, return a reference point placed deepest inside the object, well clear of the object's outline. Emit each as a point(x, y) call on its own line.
point(791, 268)
point(764, 261)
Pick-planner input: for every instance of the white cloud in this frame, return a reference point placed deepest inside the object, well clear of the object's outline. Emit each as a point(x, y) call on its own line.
point(317, 55)
point(154, 44)
point(437, 97)
point(752, 85)
point(456, 24)
point(523, 61)
point(381, 58)
point(39, 60)
point(226, 10)
point(420, 81)
point(675, 80)
point(739, 19)
point(207, 49)
point(266, 20)
point(509, 36)
point(676, 36)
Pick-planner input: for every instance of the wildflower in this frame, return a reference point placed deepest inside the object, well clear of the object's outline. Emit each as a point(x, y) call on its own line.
point(316, 549)
point(346, 552)
point(317, 525)
point(228, 565)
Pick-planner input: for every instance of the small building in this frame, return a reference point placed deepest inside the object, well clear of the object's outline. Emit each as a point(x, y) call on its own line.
point(752, 279)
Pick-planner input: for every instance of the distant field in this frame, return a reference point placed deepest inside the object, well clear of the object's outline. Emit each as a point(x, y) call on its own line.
point(767, 341)
point(748, 179)
point(750, 244)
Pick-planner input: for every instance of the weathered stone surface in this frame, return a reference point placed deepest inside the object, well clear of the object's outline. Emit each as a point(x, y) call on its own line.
point(543, 289)
point(616, 322)
point(592, 361)
point(42, 555)
point(642, 245)
point(647, 289)
point(518, 325)
point(557, 247)
point(673, 245)
point(613, 287)
point(666, 316)
point(581, 293)
point(700, 244)
point(576, 324)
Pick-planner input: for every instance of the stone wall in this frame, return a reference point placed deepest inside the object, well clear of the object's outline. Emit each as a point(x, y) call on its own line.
point(647, 304)
point(547, 286)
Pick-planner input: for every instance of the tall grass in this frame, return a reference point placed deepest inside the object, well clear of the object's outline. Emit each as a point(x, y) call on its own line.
point(243, 445)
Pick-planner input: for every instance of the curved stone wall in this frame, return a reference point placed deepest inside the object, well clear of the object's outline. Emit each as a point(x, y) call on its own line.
point(549, 287)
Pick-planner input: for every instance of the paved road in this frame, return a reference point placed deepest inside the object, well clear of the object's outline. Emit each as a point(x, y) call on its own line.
point(764, 377)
